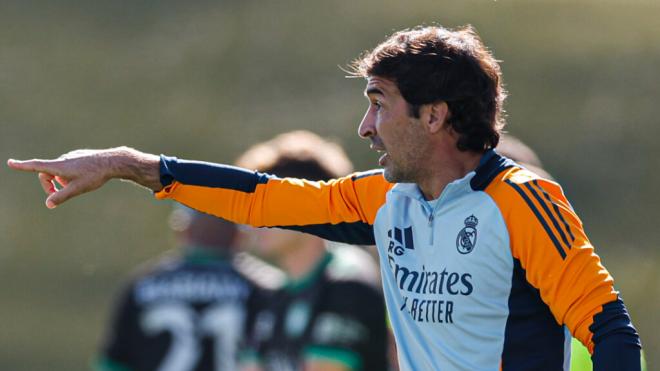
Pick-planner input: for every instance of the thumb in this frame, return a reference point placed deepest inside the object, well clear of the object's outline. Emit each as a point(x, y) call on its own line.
point(55, 199)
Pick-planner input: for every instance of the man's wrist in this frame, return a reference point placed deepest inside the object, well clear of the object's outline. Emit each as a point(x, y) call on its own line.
point(139, 167)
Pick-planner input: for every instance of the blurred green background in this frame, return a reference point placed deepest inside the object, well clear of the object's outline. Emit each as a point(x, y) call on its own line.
point(204, 79)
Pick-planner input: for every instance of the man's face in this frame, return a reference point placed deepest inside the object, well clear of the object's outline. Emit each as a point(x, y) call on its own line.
point(396, 134)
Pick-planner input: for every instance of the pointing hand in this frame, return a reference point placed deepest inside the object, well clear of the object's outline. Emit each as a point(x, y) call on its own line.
point(82, 171)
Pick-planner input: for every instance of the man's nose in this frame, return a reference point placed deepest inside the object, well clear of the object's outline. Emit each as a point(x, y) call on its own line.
point(367, 127)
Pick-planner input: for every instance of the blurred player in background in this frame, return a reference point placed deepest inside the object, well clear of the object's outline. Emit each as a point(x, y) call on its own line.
point(330, 315)
point(185, 312)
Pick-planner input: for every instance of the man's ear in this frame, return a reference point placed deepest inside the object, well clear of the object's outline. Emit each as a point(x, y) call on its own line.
point(438, 115)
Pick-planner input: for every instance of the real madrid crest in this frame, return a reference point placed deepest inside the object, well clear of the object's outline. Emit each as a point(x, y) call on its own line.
point(467, 237)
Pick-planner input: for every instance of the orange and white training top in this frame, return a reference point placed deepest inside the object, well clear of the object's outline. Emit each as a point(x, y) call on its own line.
point(496, 273)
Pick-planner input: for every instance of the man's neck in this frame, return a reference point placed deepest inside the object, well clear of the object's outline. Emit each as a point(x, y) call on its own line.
point(448, 169)
point(303, 259)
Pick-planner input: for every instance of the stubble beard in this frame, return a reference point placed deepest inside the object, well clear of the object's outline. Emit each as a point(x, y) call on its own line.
point(394, 174)
point(406, 171)
point(411, 154)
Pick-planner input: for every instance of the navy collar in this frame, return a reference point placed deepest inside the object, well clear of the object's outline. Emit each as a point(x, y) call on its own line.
point(490, 165)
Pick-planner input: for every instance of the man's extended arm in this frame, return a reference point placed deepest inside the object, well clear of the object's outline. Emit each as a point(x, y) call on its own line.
point(83, 171)
point(340, 210)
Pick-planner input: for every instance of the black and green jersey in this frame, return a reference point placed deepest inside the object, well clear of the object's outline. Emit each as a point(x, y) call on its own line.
point(335, 313)
point(183, 313)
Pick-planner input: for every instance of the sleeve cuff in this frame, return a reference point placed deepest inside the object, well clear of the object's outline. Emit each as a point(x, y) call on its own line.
point(166, 177)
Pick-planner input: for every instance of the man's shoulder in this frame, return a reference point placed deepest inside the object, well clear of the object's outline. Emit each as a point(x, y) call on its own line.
point(518, 181)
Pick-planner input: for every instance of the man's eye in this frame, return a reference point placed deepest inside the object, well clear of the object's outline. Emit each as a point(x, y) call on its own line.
point(376, 105)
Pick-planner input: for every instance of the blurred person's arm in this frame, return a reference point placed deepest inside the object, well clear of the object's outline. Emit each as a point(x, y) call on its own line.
point(249, 366)
point(392, 351)
point(325, 365)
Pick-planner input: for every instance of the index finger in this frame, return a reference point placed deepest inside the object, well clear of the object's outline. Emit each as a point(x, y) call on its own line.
point(42, 166)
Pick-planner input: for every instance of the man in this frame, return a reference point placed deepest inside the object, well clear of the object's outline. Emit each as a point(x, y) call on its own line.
point(484, 264)
point(330, 315)
point(187, 311)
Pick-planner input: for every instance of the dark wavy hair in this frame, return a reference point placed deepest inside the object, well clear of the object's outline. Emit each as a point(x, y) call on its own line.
point(432, 64)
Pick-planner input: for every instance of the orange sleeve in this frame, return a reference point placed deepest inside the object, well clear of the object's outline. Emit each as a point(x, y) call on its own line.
point(283, 202)
point(323, 208)
point(548, 239)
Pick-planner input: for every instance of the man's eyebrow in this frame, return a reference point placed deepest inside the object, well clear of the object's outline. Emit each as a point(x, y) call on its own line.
point(373, 90)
